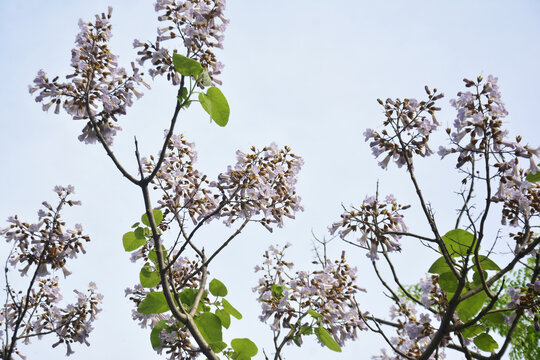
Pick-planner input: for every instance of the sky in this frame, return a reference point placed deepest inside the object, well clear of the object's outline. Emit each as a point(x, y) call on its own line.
point(300, 73)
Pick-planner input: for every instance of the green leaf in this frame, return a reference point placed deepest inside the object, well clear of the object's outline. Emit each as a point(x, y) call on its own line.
point(477, 281)
point(277, 291)
point(314, 314)
point(471, 306)
point(139, 232)
point(217, 288)
point(216, 105)
point(225, 318)
point(154, 335)
point(152, 255)
point(485, 342)
point(186, 66)
point(205, 78)
point(472, 331)
point(210, 327)
point(158, 216)
point(439, 266)
point(326, 338)
point(230, 309)
point(132, 241)
point(187, 297)
point(184, 93)
point(533, 177)
point(493, 318)
point(135, 225)
point(218, 346)
point(244, 348)
point(149, 276)
point(458, 242)
point(448, 282)
point(153, 303)
point(486, 263)
point(306, 330)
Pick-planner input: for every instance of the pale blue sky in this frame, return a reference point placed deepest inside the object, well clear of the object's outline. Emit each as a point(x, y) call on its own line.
point(301, 73)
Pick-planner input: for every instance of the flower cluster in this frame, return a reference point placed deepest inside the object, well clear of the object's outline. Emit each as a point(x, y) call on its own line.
point(478, 133)
point(327, 295)
point(413, 333)
point(70, 323)
point(45, 244)
point(97, 89)
point(200, 25)
point(410, 123)
point(526, 300)
point(479, 116)
point(261, 183)
point(40, 249)
point(520, 198)
point(380, 223)
point(185, 189)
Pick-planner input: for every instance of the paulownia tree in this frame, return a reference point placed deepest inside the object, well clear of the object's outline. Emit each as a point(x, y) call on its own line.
point(465, 298)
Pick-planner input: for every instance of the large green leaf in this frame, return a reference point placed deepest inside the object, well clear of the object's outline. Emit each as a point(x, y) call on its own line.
point(477, 281)
point(216, 105)
point(153, 303)
point(154, 335)
point(133, 240)
point(186, 66)
point(493, 319)
point(486, 263)
point(210, 327)
point(158, 216)
point(149, 276)
point(244, 348)
point(471, 306)
point(152, 255)
point(472, 331)
point(485, 342)
point(225, 318)
point(326, 338)
point(230, 309)
point(187, 297)
point(458, 242)
point(439, 266)
point(218, 346)
point(448, 282)
point(217, 288)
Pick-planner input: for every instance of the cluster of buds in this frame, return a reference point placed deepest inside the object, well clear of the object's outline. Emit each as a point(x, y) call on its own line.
point(40, 249)
point(97, 89)
point(380, 223)
point(199, 24)
point(408, 126)
point(328, 293)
